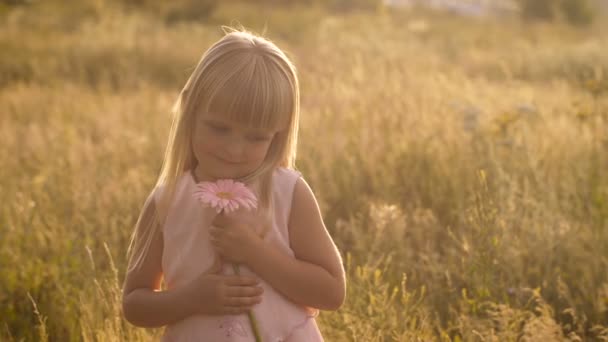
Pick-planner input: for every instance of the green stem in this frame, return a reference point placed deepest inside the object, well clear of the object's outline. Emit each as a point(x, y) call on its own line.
point(252, 320)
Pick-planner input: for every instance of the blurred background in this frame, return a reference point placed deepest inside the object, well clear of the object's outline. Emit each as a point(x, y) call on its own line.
point(466, 181)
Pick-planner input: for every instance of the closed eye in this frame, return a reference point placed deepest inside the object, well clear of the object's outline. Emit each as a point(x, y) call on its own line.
point(259, 138)
point(217, 127)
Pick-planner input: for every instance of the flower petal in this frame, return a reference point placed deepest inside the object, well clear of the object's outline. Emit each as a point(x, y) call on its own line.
point(225, 194)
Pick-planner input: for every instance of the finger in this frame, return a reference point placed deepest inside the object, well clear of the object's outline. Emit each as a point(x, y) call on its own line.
point(265, 230)
point(226, 256)
point(214, 242)
point(242, 301)
point(217, 232)
point(220, 220)
point(241, 281)
point(220, 251)
point(213, 235)
point(217, 226)
point(216, 267)
point(220, 259)
point(244, 291)
point(230, 310)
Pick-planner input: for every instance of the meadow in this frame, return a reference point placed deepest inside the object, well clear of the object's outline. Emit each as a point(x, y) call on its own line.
point(460, 164)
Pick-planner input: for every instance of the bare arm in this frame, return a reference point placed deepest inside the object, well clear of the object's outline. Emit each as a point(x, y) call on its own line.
point(315, 278)
point(210, 293)
point(143, 302)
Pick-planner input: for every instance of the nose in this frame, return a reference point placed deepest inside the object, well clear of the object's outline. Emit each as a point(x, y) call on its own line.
point(234, 150)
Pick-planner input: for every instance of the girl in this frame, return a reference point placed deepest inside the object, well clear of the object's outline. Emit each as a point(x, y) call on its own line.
point(237, 118)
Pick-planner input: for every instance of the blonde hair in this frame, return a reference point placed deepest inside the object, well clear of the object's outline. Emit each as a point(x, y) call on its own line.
point(247, 78)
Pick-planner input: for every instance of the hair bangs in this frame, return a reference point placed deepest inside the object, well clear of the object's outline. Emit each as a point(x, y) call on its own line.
point(259, 95)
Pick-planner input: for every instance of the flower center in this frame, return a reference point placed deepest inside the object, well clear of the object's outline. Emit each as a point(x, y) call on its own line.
point(224, 195)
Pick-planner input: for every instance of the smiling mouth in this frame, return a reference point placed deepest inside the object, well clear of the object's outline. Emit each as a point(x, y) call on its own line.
point(228, 162)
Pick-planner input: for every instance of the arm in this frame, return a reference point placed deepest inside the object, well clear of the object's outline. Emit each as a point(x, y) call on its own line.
point(143, 302)
point(315, 278)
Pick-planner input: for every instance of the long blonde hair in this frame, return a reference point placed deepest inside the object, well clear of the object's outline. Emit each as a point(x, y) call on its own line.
point(247, 78)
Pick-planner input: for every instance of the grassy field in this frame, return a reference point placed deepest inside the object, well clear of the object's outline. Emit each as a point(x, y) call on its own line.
point(461, 165)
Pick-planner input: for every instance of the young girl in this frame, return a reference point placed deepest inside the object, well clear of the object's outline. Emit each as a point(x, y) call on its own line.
point(236, 118)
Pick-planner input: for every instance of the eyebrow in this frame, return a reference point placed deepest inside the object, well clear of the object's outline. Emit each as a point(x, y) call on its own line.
point(253, 130)
point(212, 120)
point(215, 122)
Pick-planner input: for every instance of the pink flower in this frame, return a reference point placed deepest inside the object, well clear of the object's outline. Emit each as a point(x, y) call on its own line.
point(228, 195)
point(225, 194)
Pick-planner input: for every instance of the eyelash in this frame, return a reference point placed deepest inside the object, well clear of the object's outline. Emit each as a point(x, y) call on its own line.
point(222, 130)
point(219, 129)
point(258, 139)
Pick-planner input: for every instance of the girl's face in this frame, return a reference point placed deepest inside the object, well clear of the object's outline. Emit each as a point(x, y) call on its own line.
point(226, 149)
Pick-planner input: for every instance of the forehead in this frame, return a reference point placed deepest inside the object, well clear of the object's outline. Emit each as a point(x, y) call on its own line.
point(258, 95)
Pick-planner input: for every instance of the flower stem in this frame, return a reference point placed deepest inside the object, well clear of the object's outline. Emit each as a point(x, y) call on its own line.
point(252, 320)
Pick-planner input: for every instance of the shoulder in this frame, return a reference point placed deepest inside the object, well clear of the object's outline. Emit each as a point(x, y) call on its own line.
point(162, 197)
point(176, 185)
point(283, 183)
point(303, 205)
point(303, 199)
point(283, 175)
point(149, 210)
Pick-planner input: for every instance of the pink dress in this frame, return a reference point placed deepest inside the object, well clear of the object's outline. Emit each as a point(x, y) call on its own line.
point(187, 253)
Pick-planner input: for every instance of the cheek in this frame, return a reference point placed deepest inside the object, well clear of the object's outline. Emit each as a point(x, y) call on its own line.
point(204, 144)
point(259, 152)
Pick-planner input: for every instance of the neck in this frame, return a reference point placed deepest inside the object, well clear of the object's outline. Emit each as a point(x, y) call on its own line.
point(199, 176)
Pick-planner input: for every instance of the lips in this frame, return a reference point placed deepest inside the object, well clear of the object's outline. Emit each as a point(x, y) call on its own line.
point(227, 161)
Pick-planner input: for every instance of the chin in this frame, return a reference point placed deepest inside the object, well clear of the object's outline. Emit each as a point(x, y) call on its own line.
point(221, 171)
point(230, 175)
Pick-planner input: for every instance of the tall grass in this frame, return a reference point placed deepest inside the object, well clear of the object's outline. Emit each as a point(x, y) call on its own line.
point(460, 166)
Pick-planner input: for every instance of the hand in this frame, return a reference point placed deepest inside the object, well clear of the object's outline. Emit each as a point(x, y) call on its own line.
point(215, 294)
point(234, 237)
